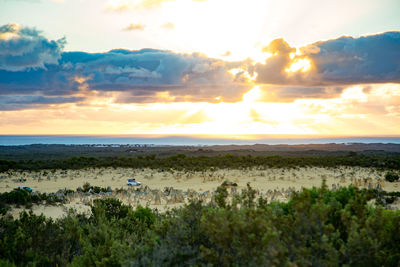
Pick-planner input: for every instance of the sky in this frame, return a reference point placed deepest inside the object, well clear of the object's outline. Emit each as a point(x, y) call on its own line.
point(200, 67)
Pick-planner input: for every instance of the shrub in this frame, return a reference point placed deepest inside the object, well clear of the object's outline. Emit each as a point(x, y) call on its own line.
point(95, 189)
point(391, 177)
point(86, 187)
point(316, 227)
point(144, 215)
point(26, 198)
point(112, 208)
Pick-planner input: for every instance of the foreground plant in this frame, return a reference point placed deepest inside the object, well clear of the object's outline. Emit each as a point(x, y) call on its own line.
point(315, 227)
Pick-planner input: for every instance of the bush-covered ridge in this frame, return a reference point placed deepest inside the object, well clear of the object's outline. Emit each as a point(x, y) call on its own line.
point(316, 227)
point(200, 163)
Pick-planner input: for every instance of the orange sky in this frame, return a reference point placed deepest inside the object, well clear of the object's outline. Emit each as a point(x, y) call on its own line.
point(352, 113)
point(213, 68)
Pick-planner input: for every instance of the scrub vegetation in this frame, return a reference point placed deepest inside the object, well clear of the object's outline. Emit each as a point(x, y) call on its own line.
point(201, 163)
point(316, 226)
point(23, 197)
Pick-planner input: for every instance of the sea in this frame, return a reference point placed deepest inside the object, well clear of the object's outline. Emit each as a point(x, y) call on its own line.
point(16, 140)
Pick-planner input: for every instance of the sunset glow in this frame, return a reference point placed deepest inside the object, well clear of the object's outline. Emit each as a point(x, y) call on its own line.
point(200, 67)
point(302, 65)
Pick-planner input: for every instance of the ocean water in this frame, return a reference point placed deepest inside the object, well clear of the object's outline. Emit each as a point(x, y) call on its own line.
point(12, 140)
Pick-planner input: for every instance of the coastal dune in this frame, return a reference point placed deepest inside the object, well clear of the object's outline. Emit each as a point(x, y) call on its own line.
point(260, 178)
point(168, 189)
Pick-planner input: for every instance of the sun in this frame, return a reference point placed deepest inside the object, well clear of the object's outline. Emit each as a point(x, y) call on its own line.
point(253, 95)
point(302, 65)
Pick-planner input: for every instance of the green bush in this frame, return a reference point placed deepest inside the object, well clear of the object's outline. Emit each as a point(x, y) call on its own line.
point(391, 177)
point(316, 227)
point(18, 197)
point(201, 163)
point(86, 187)
point(35, 240)
point(112, 208)
point(24, 197)
point(95, 189)
point(144, 215)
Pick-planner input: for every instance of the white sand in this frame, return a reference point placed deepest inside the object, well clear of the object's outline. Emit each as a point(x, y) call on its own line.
point(259, 178)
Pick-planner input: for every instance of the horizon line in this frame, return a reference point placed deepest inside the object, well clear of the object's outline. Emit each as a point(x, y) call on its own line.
point(206, 136)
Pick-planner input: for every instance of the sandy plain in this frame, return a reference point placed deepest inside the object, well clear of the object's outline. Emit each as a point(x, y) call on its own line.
point(271, 183)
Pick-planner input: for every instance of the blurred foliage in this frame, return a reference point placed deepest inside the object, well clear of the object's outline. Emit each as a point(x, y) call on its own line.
point(93, 189)
point(391, 177)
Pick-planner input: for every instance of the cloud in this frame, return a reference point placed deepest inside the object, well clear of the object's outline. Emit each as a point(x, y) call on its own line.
point(135, 27)
point(39, 67)
point(152, 3)
point(291, 93)
point(29, 101)
point(144, 73)
point(29, 1)
point(125, 5)
point(273, 71)
point(227, 54)
point(377, 113)
point(35, 69)
point(346, 60)
point(23, 48)
point(168, 26)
